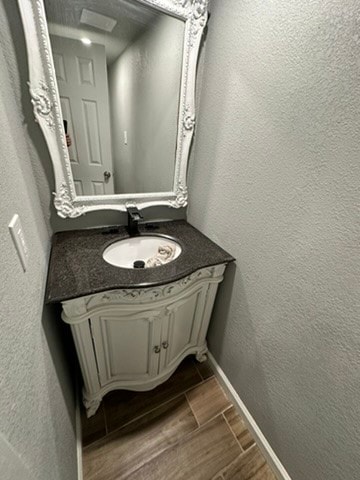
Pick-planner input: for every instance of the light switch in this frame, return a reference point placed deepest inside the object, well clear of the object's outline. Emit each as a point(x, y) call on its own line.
point(125, 137)
point(17, 234)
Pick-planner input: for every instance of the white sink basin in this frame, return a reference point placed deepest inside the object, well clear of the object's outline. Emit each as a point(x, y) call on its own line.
point(144, 247)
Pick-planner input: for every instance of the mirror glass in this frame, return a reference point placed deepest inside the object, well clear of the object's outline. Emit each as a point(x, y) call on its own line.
point(118, 66)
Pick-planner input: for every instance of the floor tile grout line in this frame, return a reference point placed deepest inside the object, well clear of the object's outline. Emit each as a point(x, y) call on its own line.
point(243, 454)
point(197, 369)
point(160, 405)
point(199, 372)
point(184, 438)
point(206, 380)
point(192, 411)
point(221, 472)
point(217, 476)
point(99, 411)
point(249, 445)
point(189, 434)
point(202, 381)
point(142, 415)
point(186, 435)
point(135, 419)
point(105, 421)
point(219, 414)
point(232, 431)
point(228, 407)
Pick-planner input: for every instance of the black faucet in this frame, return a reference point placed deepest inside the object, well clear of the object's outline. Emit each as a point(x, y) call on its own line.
point(133, 219)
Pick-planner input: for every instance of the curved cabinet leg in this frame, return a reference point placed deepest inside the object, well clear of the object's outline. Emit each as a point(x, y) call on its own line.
point(91, 405)
point(201, 355)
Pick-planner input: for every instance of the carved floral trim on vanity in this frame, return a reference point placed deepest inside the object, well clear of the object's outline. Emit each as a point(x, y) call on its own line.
point(75, 309)
point(169, 321)
point(46, 104)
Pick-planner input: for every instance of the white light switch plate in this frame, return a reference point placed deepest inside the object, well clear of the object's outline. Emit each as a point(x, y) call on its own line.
point(17, 234)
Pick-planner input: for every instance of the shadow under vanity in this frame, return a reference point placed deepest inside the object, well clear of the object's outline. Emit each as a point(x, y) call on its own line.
point(133, 327)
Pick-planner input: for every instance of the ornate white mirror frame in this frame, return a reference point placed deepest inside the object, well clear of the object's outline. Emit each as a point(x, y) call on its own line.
point(46, 103)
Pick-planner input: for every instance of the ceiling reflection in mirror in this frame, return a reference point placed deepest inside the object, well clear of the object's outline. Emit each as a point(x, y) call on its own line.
point(118, 67)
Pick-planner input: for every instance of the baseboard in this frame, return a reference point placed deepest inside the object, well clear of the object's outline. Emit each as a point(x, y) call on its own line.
point(261, 441)
point(78, 433)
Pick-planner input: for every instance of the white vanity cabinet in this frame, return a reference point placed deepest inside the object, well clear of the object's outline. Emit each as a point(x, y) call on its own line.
point(134, 339)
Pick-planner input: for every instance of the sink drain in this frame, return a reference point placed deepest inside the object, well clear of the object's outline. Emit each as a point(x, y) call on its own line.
point(139, 264)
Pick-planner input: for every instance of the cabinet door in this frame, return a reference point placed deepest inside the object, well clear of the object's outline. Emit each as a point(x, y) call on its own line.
point(126, 345)
point(182, 326)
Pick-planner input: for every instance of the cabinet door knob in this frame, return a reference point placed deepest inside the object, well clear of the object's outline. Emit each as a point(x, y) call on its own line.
point(157, 349)
point(165, 345)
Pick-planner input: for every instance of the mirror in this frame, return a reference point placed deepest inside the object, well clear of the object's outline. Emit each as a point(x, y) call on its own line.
point(118, 71)
point(113, 88)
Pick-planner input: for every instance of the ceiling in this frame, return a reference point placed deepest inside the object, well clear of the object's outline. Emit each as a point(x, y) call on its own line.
point(132, 19)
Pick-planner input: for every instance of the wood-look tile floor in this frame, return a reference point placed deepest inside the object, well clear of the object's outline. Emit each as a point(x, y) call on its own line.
point(185, 429)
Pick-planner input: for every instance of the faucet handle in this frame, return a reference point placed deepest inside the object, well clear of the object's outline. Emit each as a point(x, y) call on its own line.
point(134, 213)
point(133, 219)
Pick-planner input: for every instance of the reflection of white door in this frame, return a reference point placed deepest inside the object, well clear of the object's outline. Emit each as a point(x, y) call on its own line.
point(82, 80)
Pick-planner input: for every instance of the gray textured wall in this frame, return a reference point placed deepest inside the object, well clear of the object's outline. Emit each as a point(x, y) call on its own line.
point(36, 397)
point(275, 182)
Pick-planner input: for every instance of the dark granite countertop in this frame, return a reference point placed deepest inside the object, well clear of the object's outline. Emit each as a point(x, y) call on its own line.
point(76, 266)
